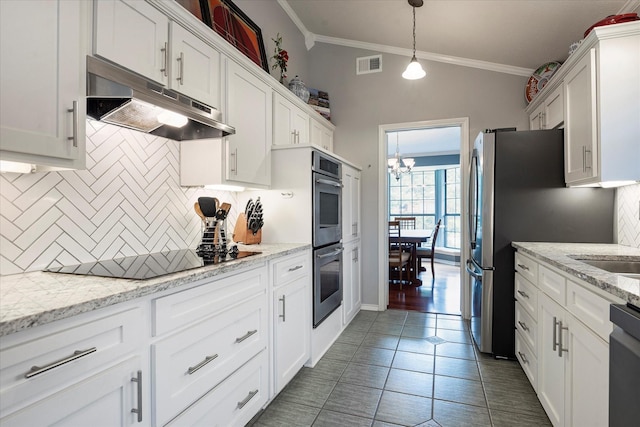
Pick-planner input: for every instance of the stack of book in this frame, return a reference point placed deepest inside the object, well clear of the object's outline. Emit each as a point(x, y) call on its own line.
point(319, 101)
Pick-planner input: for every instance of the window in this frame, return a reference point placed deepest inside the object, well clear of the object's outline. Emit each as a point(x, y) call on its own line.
point(428, 193)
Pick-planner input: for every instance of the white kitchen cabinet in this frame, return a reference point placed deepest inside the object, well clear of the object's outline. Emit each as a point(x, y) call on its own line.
point(350, 203)
point(76, 371)
point(43, 82)
point(137, 36)
point(352, 286)
point(249, 109)
point(550, 113)
point(290, 123)
point(291, 317)
point(320, 134)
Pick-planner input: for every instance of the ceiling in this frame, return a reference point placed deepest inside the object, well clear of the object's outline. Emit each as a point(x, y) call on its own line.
point(512, 36)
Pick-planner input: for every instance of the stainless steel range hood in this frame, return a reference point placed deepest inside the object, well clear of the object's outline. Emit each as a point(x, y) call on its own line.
point(120, 97)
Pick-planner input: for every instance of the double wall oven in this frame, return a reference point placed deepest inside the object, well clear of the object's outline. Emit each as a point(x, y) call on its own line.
point(327, 235)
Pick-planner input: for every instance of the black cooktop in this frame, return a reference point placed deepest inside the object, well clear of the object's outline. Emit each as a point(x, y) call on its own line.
point(146, 266)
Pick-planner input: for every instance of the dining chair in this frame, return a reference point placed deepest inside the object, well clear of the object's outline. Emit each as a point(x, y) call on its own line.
point(428, 253)
point(398, 259)
point(406, 222)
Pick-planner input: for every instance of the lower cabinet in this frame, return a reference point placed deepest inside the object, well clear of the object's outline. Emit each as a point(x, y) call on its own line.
point(291, 317)
point(351, 293)
point(567, 357)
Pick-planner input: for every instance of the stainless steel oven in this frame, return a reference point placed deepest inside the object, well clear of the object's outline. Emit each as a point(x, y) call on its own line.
point(327, 200)
point(327, 281)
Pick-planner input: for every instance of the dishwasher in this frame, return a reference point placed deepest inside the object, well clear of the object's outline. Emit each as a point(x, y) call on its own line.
point(624, 366)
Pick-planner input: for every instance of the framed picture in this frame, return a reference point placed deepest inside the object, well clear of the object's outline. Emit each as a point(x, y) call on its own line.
point(226, 19)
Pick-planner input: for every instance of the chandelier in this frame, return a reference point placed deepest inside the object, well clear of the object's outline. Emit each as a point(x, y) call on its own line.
point(397, 165)
point(414, 70)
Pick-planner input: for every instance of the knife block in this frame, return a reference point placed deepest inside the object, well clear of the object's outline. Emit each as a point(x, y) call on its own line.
point(242, 233)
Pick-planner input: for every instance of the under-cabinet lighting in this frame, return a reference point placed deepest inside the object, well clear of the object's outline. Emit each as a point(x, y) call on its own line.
point(611, 184)
point(224, 187)
point(170, 118)
point(16, 167)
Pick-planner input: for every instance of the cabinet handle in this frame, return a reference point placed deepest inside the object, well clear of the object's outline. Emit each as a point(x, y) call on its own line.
point(524, 267)
point(165, 59)
point(234, 169)
point(181, 75)
point(74, 111)
point(555, 336)
point(245, 336)
point(524, 358)
point(138, 379)
point(523, 293)
point(206, 360)
point(297, 267)
point(355, 257)
point(587, 164)
point(354, 228)
point(37, 370)
point(560, 329)
point(523, 325)
point(247, 399)
point(543, 120)
point(284, 308)
point(584, 158)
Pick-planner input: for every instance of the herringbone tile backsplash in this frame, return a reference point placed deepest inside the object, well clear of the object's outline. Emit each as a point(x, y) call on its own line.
point(127, 202)
point(628, 201)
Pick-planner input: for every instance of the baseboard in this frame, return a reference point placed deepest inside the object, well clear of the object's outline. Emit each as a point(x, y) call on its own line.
point(369, 307)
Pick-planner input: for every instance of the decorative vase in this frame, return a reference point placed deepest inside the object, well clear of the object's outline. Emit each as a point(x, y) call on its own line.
point(298, 87)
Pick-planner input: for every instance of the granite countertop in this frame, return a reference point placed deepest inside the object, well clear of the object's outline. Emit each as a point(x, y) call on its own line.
point(560, 255)
point(37, 298)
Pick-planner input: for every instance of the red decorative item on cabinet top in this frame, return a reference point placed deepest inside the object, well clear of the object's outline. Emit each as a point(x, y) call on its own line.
point(613, 19)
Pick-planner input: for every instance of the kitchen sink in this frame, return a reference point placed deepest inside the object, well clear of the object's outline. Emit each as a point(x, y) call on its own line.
point(625, 267)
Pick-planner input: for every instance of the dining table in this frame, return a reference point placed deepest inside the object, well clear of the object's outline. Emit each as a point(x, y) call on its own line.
point(413, 237)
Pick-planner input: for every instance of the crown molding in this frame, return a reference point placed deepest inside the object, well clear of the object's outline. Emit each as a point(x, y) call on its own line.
point(310, 39)
point(629, 7)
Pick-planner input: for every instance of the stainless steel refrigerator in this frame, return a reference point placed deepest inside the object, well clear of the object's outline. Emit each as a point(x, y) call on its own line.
point(517, 193)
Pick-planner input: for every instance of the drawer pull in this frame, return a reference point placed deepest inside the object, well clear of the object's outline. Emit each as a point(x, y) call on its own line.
point(138, 410)
point(555, 334)
point(524, 358)
point(297, 267)
point(523, 293)
point(284, 308)
point(245, 336)
point(37, 370)
point(247, 399)
point(560, 329)
point(524, 267)
point(523, 325)
point(206, 360)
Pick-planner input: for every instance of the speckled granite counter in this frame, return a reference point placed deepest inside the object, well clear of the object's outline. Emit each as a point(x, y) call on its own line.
point(32, 299)
point(560, 255)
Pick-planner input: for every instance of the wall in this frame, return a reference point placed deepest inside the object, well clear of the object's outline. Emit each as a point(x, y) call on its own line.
point(360, 103)
point(127, 202)
point(628, 220)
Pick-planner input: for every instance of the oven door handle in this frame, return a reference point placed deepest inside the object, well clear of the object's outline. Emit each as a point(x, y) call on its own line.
point(329, 182)
point(336, 252)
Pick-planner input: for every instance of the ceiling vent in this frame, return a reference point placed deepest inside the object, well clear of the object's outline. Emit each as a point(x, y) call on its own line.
point(369, 64)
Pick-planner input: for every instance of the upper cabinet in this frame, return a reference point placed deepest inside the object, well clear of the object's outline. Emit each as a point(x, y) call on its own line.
point(290, 123)
point(320, 134)
point(600, 91)
point(43, 82)
point(139, 37)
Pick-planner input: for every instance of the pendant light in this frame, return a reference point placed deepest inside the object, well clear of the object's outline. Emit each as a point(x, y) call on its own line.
point(414, 70)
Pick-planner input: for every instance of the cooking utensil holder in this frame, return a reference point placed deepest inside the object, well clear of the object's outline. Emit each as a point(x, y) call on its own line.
point(242, 233)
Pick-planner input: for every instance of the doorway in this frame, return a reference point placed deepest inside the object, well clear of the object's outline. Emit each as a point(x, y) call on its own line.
point(432, 189)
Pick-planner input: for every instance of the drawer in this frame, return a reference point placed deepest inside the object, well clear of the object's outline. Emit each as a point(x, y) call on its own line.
point(527, 295)
point(527, 326)
point(590, 309)
point(552, 284)
point(527, 359)
point(195, 359)
point(291, 268)
point(73, 348)
point(527, 267)
point(182, 308)
point(234, 402)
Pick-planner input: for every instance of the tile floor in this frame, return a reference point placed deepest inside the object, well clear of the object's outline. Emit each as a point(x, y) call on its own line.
point(406, 368)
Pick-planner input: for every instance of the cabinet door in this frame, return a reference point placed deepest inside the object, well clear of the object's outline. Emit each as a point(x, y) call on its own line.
point(104, 399)
point(554, 109)
point(249, 110)
point(580, 128)
point(43, 77)
point(301, 126)
point(351, 298)
point(587, 377)
point(133, 34)
point(535, 119)
point(355, 204)
point(292, 324)
point(290, 124)
point(551, 386)
point(195, 67)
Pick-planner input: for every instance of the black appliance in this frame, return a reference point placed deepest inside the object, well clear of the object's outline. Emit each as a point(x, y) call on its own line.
point(146, 266)
point(624, 366)
point(327, 235)
point(517, 193)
